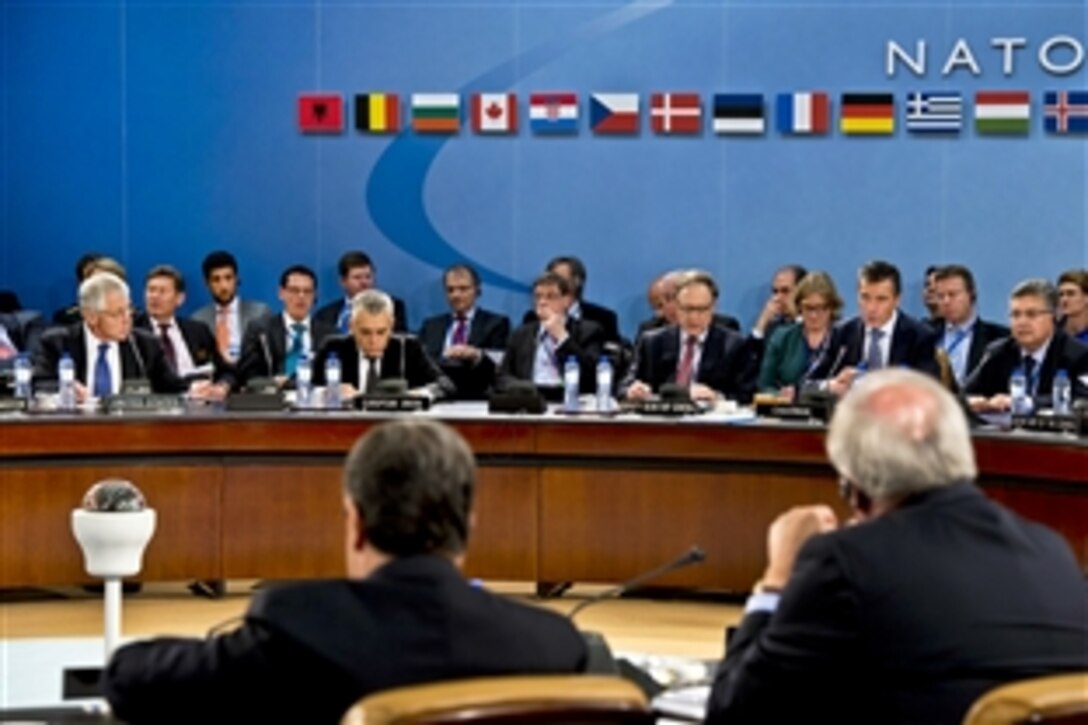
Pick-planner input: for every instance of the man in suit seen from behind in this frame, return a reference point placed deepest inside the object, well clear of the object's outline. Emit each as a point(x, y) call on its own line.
point(404, 614)
point(934, 595)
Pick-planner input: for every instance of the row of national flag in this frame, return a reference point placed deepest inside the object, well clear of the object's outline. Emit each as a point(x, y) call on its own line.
point(795, 114)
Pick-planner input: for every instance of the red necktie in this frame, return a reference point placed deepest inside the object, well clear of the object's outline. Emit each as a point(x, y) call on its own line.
point(460, 332)
point(683, 373)
point(168, 347)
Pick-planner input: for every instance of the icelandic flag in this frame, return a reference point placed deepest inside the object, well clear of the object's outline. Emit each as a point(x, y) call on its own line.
point(1065, 112)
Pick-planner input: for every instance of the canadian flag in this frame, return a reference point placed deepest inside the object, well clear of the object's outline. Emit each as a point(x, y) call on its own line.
point(494, 112)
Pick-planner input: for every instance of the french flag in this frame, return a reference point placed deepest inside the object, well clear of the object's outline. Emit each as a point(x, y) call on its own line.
point(803, 113)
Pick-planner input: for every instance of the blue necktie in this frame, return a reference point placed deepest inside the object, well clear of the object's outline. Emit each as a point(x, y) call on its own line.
point(344, 320)
point(874, 360)
point(291, 365)
point(103, 380)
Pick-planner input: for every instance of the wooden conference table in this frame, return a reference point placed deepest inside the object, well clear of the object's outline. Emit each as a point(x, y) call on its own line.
point(560, 499)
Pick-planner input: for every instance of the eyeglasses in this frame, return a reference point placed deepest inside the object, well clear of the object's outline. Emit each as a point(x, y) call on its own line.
point(1028, 314)
point(116, 314)
point(813, 309)
point(695, 309)
point(301, 291)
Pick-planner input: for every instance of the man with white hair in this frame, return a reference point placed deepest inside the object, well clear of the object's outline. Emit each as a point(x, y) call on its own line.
point(934, 595)
point(106, 350)
point(367, 357)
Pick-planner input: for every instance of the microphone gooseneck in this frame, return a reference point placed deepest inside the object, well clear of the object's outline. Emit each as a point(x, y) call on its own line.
point(694, 555)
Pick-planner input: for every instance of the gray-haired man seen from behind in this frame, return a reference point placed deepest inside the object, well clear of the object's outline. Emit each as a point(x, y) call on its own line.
point(404, 614)
point(935, 594)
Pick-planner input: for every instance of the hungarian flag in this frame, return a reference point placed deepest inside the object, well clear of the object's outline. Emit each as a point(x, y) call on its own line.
point(377, 112)
point(676, 113)
point(494, 113)
point(1065, 112)
point(1002, 112)
point(803, 113)
point(611, 113)
point(436, 112)
point(867, 113)
point(320, 113)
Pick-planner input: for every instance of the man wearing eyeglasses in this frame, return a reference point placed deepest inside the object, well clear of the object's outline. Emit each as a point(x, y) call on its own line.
point(106, 350)
point(274, 345)
point(1037, 347)
point(711, 361)
point(934, 595)
point(779, 308)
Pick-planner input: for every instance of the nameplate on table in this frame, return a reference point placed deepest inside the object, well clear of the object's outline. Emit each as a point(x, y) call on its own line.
point(13, 405)
point(143, 403)
point(392, 403)
point(668, 407)
point(1070, 424)
point(792, 411)
point(255, 402)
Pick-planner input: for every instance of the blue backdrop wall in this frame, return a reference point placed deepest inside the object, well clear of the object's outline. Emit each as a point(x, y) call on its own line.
point(158, 131)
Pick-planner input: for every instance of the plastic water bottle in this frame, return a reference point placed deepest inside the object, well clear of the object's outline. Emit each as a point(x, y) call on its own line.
point(1018, 392)
point(304, 386)
point(22, 376)
point(1061, 394)
point(66, 376)
point(604, 384)
point(571, 376)
point(332, 381)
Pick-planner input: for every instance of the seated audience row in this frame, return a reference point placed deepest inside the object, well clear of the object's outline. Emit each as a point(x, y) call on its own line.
point(470, 352)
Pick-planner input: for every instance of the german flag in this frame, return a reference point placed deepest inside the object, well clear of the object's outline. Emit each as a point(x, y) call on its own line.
point(867, 113)
point(377, 112)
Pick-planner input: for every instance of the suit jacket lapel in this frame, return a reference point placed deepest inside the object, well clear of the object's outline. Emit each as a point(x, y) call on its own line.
point(899, 344)
point(712, 354)
point(670, 354)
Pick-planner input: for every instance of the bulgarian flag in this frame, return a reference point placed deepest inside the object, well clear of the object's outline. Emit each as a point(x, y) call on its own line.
point(436, 112)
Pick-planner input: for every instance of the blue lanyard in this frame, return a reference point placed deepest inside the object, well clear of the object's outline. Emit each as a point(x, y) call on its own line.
point(959, 338)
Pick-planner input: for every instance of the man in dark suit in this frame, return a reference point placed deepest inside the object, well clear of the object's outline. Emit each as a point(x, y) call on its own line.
point(404, 615)
point(538, 350)
point(779, 310)
point(274, 344)
point(461, 339)
point(963, 336)
point(574, 272)
point(662, 298)
point(105, 349)
point(935, 594)
point(227, 315)
point(711, 360)
point(1037, 347)
point(189, 346)
point(881, 336)
point(368, 354)
point(357, 274)
point(19, 332)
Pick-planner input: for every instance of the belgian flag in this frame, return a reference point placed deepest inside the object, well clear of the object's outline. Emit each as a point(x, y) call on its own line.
point(377, 112)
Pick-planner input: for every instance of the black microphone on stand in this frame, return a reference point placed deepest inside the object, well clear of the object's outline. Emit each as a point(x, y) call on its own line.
point(267, 354)
point(136, 354)
point(694, 555)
